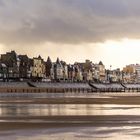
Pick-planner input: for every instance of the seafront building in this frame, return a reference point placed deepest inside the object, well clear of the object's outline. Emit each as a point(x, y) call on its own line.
point(24, 67)
point(58, 70)
point(137, 67)
point(3, 72)
point(48, 67)
point(131, 73)
point(14, 67)
point(78, 72)
point(38, 71)
point(65, 70)
point(114, 76)
point(71, 73)
point(88, 70)
point(99, 72)
point(12, 62)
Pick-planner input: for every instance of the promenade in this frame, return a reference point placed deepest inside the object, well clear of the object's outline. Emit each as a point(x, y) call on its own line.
point(64, 87)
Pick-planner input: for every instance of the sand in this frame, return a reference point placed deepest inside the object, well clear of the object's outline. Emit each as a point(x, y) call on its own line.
point(36, 122)
point(71, 100)
point(68, 121)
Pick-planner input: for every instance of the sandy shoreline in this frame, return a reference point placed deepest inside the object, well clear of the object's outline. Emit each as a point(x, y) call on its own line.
point(68, 121)
point(37, 122)
point(71, 100)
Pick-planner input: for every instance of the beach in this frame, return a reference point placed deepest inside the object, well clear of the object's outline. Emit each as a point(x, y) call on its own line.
point(70, 118)
point(57, 117)
point(58, 98)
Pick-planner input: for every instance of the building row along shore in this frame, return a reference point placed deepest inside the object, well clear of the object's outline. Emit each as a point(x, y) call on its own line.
point(14, 67)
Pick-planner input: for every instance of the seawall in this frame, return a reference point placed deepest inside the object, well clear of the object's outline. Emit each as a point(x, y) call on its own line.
point(23, 87)
point(40, 87)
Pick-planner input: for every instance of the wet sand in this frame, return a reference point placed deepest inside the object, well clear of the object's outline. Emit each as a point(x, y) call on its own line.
point(71, 100)
point(36, 122)
point(67, 121)
point(85, 127)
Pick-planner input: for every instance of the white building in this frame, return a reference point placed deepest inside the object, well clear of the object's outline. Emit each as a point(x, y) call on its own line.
point(38, 68)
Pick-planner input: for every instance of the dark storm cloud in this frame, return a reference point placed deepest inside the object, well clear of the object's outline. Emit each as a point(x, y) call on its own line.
point(68, 21)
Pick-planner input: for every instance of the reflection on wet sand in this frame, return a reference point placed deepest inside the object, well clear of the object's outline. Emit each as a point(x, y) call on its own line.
point(82, 133)
point(106, 117)
point(67, 109)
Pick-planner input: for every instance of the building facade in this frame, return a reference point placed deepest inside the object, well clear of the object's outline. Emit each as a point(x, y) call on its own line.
point(24, 67)
point(131, 73)
point(38, 68)
point(12, 61)
point(58, 70)
point(3, 72)
point(49, 67)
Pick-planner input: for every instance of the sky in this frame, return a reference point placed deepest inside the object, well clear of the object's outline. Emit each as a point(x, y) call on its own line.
point(73, 30)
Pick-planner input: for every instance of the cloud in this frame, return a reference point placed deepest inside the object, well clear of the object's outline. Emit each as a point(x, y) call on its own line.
point(68, 21)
